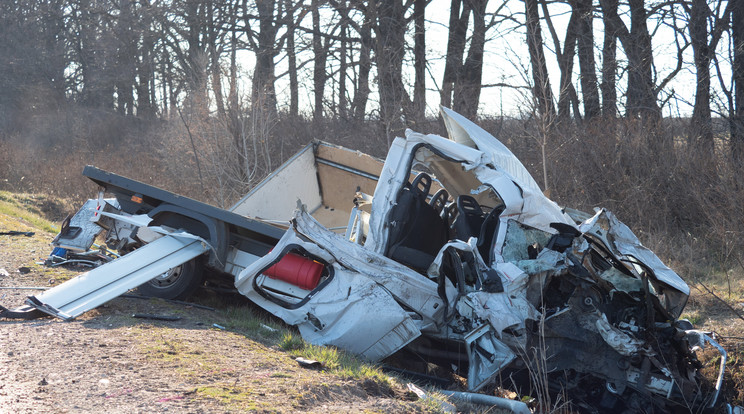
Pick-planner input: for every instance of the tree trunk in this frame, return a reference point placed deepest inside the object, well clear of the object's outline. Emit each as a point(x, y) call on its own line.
point(419, 59)
point(567, 92)
point(294, 94)
point(263, 94)
point(700, 124)
point(587, 66)
point(145, 70)
point(541, 89)
point(458, 26)
point(609, 61)
point(214, 56)
point(125, 58)
point(468, 85)
point(320, 55)
point(361, 91)
point(196, 61)
point(641, 94)
point(95, 50)
point(390, 49)
point(343, 67)
point(55, 49)
point(737, 118)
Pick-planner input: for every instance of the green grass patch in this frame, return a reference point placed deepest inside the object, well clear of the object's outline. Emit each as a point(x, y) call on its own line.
point(694, 317)
point(341, 363)
point(11, 206)
point(243, 320)
point(291, 342)
point(231, 396)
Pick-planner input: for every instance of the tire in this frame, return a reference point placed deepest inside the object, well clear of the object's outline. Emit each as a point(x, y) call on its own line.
point(177, 283)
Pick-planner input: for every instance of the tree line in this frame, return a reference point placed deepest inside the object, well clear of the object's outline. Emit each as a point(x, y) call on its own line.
point(366, 60)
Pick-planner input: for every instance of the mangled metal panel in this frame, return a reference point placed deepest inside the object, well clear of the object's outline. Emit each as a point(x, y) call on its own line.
point(80, 231)
point(625, 245)
point(336, 312)
point(96, 287)
point(464, 131)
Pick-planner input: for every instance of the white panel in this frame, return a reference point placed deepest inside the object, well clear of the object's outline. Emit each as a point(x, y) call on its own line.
point(276, 197)
point(96, 287)
point(237, 260)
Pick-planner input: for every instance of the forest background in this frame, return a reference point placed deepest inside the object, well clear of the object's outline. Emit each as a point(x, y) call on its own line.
point(634, 105)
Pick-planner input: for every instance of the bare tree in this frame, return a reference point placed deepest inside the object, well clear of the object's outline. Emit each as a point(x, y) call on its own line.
point(468, 87)
point(419, 56)
point(541, 88)
point(567, 95)
point(704, 46)
point(294, 94)
point(456, 41)
point(587, 67)
point(362, 90)
point(641, 92)
point(609, 59)
point(737, 117)
point(390, 30)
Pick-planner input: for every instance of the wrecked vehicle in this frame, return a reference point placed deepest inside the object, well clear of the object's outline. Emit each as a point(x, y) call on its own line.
point(449, 251)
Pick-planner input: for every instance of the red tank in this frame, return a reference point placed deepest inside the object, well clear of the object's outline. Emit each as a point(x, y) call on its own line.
point(296, 270)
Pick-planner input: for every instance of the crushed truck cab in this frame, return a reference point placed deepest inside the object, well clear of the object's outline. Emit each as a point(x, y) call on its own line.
point(449, 251)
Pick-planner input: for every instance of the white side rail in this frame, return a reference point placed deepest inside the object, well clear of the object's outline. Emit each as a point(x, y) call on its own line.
point(98, 286)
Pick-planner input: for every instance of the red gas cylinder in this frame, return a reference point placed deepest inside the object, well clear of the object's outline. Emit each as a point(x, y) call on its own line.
point(296, 270)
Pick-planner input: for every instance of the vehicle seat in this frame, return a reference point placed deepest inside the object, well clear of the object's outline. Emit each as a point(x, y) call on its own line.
point(469, 218)
point(471, 221)
point(417, 228)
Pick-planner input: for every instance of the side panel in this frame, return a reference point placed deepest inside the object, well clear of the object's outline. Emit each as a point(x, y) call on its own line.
point(325, 177)
point(337, 312)
point(96, 287)
point(276, 197)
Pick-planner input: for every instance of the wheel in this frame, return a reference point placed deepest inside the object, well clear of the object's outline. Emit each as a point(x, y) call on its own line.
point(177, 283)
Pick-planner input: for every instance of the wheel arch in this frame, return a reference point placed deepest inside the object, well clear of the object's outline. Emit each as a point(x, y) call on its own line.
point(215, 232)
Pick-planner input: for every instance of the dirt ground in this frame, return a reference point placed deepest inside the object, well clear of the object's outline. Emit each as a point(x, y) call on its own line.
point(109, 361)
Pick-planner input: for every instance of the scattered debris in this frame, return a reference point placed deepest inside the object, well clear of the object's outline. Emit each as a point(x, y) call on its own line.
point(17, 233)
point(4, 272)
point(444, 406)
point(156, 317)
point(309, 363)
point(219, 326)
point(268, 328)
point(179, 302)
point(24, 270)
point(24, 287)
